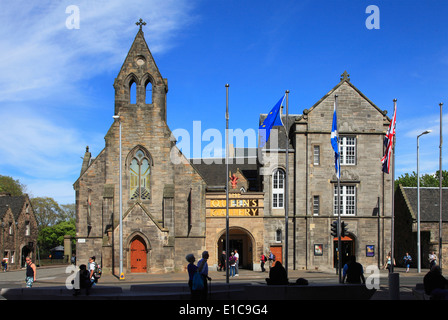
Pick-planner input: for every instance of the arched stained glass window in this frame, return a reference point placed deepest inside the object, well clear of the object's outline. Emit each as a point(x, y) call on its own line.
point(140, 173)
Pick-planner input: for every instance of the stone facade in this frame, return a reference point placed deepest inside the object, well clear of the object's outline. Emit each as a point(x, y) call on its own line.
point(172, 207)
point(18, 230)
point(313, 180)
point(163, 199)
point(406, 213)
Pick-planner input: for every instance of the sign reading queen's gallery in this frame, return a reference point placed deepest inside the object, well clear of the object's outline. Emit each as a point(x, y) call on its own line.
point(240, 204)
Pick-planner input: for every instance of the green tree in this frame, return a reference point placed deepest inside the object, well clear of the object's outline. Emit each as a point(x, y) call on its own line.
point(47, 211)
point(9, 185)
point(426, 180)
point(53, 236)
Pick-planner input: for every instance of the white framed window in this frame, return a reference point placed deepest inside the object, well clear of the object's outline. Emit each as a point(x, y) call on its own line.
point(278, 189)
point(316, 155)
point(347, 148)
point(347, 200)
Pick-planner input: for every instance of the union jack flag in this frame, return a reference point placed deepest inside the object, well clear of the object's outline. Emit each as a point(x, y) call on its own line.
point(389, 142)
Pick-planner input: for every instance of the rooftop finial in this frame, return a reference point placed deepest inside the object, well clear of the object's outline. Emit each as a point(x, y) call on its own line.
point(345, 76)
point(141, 23)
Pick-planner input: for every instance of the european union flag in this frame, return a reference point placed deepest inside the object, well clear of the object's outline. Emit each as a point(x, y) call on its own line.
point(273, 119)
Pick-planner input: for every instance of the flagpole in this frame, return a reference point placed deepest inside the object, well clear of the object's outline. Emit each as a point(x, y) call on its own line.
point(286, 185)
point(227, 184)
point(393, 202)
point(339, 203)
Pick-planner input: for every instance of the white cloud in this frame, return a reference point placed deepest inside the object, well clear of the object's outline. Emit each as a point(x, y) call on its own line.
point(44, 68)
point(40, 54)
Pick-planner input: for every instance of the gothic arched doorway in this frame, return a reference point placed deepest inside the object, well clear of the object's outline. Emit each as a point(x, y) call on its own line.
point(138, 255)
point(241, 240)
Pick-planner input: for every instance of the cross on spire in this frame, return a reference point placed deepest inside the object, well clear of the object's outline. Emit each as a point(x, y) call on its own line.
point(141, 23)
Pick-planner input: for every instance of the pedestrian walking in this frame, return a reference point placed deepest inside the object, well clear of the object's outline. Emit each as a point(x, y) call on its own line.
point(353, 272)
point(192, 268)
point(432, 259)
point(388, 264)
point(5, 264)
point(93, 270)
point(271, 259)
point(263, 260)
point(203, 270)
point(30, 272)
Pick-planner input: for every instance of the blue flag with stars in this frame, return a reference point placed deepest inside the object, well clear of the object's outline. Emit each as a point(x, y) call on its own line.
point(273, 119)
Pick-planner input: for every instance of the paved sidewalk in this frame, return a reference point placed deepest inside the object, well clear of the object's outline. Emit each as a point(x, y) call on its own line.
point(56, 276)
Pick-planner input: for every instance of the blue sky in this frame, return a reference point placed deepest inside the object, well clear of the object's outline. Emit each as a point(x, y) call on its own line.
point(56, 93)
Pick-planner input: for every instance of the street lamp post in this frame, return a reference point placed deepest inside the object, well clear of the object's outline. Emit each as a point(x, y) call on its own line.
point(418, 205)
point(117, 117)
point(440, 189)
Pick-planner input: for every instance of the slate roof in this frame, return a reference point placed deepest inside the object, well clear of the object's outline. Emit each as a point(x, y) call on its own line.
point(429, 203)
point(213, 171)
point(14, 202)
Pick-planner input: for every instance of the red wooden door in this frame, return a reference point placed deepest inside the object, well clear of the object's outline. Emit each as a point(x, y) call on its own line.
point(138, 256)
point(278, 252)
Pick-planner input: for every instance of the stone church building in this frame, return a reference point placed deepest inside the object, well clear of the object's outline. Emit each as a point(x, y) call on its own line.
point(173, 206)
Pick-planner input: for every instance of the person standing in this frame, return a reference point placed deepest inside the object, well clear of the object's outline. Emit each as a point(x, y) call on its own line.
point(237, 261)
point(232, 264)
point(203, 270)
point(222, 261)
point(30, 272)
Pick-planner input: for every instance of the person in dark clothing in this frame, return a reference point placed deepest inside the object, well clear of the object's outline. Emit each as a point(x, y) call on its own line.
point(84, 280)
point(30, 272)
point(435, 284)
point(353, 272)
point(222, 261)
point(277, 275)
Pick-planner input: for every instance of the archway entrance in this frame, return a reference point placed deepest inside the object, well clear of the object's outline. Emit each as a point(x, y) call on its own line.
point(26, 251)
point(240, 240)
point(138, 255)
point(347, 249)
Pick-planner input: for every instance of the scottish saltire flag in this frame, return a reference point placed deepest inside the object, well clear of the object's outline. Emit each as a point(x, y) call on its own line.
point(389, 142)
point(273, 119)
point(335, 143)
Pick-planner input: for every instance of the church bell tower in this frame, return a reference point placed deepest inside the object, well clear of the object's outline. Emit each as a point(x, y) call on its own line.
point(139, 83)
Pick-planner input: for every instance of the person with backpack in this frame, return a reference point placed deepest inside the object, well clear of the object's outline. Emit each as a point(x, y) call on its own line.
point(263, 260)
point(94, 271)
point(271, 259)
